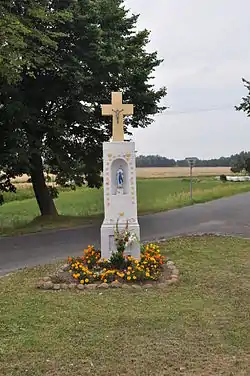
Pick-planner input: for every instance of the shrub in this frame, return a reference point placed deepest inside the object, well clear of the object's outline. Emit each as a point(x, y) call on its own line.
point(223, 178)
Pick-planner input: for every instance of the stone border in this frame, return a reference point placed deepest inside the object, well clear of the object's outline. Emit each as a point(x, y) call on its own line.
point(46, 283)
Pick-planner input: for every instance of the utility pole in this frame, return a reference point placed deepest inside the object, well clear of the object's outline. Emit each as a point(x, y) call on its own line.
point(191, 162)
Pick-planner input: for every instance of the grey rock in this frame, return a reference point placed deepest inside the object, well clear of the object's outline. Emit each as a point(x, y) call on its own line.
point(47, 279)
point(56, 286)
point(170, 263)
point(40, 284)
point(62, 277)
point(174, 276)
point(91, 286)
point(72, 286)
point(64, 286)
point(80, 287)
point(116, 285)
point(175, 271)
point(65, 268)
point(103, 286)
point(48, 286)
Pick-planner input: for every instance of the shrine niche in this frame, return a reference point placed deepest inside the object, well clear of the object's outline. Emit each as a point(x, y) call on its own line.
point(119, 177)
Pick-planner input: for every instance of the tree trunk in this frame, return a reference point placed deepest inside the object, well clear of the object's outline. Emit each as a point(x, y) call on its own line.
point(43, 197)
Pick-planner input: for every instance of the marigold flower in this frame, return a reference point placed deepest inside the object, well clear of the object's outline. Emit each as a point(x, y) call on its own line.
point(86, 280)
point(105, 281)
point(129, 278)
point(82, 282)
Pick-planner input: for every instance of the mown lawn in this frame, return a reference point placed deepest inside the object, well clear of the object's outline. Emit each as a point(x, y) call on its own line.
point(76, 208)
point(199, 327)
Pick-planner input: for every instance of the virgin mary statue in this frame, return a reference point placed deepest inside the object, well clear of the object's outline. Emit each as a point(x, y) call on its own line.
point(120, 177)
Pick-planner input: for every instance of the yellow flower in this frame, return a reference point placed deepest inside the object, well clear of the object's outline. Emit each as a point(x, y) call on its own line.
point(147, 274)
point(129, 268)
point(89, 261)
point(134, 277)
point(82, 282)
point(128, 273)
point(129, 278)
point(105, 281)
point(86, 280)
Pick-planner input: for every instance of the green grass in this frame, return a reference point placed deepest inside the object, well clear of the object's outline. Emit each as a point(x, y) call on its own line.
point(76, 208)
point(199, 327)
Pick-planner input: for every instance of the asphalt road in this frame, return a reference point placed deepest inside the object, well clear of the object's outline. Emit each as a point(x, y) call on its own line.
point(229, 216)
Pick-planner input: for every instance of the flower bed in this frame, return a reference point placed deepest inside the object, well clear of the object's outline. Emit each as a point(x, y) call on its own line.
point(90, 268)
point(91, 271)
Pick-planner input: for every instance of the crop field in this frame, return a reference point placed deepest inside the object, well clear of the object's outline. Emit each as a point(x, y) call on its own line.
point(159, 172)
point(171, 172)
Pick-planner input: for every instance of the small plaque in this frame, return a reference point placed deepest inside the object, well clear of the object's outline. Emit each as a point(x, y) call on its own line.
point(191, 161)
point(112, 246)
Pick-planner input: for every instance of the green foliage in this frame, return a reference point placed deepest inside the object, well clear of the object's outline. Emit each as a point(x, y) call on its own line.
point(26, 36)
point(154, 161)
point(117, 260)
point(241, 163)
point(245, 103)
point(158, 161)
point(223, 178)
point(72, 55)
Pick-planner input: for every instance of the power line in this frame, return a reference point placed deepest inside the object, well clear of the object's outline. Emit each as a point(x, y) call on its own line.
point(169, 113)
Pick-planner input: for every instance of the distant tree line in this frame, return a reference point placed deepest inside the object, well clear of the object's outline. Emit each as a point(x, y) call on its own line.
point(237, 162)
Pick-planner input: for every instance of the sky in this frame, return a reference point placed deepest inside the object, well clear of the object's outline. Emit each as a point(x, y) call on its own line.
point(205, 47)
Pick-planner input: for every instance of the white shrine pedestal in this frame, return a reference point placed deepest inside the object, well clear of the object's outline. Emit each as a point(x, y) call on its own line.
point(117, 204)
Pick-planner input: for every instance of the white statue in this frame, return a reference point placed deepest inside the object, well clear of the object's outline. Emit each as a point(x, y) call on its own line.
point(120, 178)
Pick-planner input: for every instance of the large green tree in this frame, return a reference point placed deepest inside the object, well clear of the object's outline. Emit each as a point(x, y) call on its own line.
point(241, 162)
point(51, 115)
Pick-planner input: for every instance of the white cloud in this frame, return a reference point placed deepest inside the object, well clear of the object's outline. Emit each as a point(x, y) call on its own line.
point(205, 46)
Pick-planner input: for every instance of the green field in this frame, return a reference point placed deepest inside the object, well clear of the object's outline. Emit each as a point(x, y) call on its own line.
point(199, 327)
point(76, 207)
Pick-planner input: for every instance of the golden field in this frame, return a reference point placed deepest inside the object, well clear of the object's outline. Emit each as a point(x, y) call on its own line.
point(173, 172)
point(158, 172)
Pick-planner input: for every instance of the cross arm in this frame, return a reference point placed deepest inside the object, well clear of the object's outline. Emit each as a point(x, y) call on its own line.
point(107, 109)
point(128, 109)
